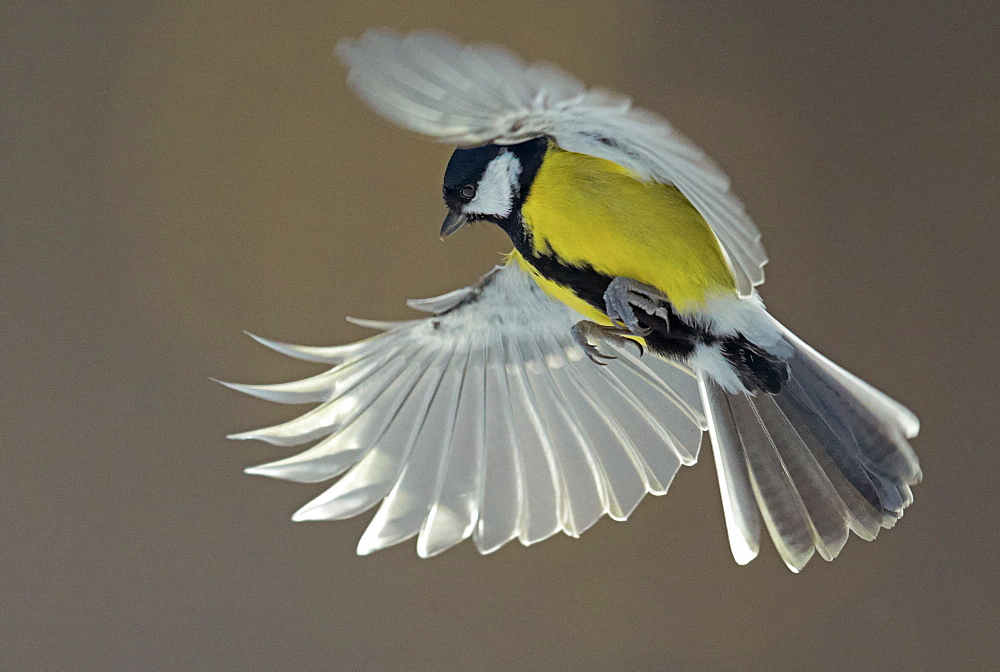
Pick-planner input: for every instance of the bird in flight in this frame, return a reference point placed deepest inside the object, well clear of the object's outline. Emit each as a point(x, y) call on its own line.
point(580, 374)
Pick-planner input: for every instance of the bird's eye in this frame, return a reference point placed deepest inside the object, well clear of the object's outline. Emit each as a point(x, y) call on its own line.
point(468, 192)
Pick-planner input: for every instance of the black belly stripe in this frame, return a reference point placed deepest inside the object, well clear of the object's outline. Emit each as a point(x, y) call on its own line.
point(674, 337)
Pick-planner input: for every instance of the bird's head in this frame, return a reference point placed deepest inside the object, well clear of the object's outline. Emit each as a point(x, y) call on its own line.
point(489, 183)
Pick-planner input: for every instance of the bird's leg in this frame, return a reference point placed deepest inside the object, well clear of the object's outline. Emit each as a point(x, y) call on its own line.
point(624, 295)
point(585, 330)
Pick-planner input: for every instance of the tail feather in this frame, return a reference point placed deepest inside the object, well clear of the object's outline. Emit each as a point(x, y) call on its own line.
point(738, 503)
point(793, 438)
point(825, 455)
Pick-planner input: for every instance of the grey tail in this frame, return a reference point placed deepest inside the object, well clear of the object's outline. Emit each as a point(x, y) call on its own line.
point(825, 455)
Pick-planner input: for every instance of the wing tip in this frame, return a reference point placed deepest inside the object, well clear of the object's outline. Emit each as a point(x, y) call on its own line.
point(259, 391)
point(277, 346)
point(308, 514)
point(378, 325)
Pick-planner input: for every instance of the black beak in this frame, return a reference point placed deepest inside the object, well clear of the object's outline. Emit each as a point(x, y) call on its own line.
point(452, 223)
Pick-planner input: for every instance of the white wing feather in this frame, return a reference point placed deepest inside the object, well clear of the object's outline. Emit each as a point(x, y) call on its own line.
point(484, 420)
point(470, 95)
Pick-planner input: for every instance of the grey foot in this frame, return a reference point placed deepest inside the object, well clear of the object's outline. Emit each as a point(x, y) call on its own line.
point(624, 295)
point(584, 331)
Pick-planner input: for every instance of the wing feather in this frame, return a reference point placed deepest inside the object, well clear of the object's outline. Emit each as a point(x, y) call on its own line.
point(649, 437)
point(583, 500)
point(616, 455)
point(500, 485)
point(402, 513)
point(455, 511)
point(482, 420)
point(646, 436)
point(330, 384)
point(539, 467)
point(338, 412)
point(324, 355)
point(371, 479)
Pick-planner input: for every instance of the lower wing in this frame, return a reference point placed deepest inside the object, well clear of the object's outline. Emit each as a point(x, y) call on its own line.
point(484, 420)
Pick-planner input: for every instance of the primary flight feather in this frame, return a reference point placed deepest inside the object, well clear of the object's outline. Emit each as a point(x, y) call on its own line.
point(580, 375)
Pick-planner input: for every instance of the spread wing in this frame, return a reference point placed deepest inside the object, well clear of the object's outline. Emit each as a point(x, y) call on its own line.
point(484, 420)
point(476, 94)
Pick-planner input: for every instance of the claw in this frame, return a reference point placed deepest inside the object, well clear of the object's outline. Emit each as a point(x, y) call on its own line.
point(638, 345)
point(581, 331)
point(596, 356)
point(584, 330)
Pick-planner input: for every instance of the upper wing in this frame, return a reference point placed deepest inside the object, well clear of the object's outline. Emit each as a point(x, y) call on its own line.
point(483, 420)
point(475, 94)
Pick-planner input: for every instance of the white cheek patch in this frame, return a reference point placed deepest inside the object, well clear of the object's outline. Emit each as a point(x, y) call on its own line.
point(497, 188)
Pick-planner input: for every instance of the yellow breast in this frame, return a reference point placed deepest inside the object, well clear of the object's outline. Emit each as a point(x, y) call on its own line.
point(592, 212)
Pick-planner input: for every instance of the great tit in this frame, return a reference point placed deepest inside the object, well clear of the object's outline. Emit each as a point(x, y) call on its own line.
point(580, 375)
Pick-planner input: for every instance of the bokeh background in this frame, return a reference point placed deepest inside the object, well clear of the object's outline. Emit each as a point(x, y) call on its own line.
point(176, 172)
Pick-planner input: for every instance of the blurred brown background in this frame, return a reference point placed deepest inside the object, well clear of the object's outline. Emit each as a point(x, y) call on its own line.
point(175, 172)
